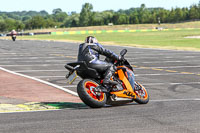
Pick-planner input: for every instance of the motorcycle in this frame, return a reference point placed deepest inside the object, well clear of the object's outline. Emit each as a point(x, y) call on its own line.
point(92, 92)
point(13, 37)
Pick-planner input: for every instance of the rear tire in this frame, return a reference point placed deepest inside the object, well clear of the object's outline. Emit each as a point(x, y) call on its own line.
point(86, 93)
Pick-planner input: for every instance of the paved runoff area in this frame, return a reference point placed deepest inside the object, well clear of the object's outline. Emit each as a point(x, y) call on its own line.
point(32, 78)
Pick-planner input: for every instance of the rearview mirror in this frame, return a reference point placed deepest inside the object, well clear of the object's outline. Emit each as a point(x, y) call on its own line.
point(123, 52)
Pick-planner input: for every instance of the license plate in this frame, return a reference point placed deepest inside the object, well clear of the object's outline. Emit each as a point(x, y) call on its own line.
point(72, 77)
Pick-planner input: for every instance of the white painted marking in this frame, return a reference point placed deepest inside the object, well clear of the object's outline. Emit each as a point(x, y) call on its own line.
point(168, 67)
point(153, 62)
point(32, 65)
point(32, 58)
point(61, 54)
point(188, 83)
point(16, 53)
point(178, 67)
point(159, 74)
point(154, 83)
point(70, 86)
point(31, 61)
point(190, 56)
point(142, 58)
point(24, 71)
point(143, 54)
point(156, 57)
point(171, 100)
point(49, 76)
point(42, 81)
point(173, 61)
point(185, 83)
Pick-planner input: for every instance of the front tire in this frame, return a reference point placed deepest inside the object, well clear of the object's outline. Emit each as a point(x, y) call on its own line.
point(142, 96)
point(86, 93)
point(13, 38)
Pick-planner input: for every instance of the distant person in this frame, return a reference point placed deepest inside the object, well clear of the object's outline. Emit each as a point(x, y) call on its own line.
point(13, 35)
point(13, 32)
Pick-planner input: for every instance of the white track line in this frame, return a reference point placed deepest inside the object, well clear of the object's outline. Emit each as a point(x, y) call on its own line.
point(171, 100)
point(171, 61)
point(33, 65)
point(49, 76)
point(24, 71)
point(164, 74)
point(38, 61)
point(30, 58)
point(70, 86)
point(159, 74)
point(178, 67)
point(188, 83)
point(42, 81)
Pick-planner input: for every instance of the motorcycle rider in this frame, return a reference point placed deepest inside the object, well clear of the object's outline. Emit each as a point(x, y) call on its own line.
point(90, 52)
point(13, 32)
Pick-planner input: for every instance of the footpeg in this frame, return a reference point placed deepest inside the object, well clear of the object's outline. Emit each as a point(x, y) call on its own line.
point(110, 82)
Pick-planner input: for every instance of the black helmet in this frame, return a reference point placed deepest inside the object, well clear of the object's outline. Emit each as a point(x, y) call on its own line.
point(91, 39)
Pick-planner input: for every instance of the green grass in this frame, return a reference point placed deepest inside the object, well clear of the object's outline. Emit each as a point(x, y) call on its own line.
point(153, 39)
point(194, 24)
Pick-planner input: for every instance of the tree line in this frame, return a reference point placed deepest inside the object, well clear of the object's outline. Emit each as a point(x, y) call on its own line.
point(87, 17)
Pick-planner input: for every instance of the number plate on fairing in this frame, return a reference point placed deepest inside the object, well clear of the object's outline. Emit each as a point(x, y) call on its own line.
point(71, 77)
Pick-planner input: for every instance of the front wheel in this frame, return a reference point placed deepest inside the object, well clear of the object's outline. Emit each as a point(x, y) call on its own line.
point(142, 96)
point(87, 94)
point(13, 38)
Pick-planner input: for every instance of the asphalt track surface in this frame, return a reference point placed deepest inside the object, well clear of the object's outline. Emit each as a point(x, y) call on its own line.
point(171, 77)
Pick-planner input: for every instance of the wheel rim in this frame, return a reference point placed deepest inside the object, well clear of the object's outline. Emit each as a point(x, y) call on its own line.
point(89, 86)
point(142, 93)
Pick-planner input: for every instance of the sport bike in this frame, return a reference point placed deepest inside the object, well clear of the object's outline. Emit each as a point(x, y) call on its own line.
point(94, 94)
point(13, 37)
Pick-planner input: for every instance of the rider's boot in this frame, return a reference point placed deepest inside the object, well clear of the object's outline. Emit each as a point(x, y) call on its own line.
point(109, 73)
point(107, 83)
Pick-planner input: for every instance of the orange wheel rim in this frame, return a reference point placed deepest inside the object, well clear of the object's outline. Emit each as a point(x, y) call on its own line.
point(142, 93)
point(89, 86)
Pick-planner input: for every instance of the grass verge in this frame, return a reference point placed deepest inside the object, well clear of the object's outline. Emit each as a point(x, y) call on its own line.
point(152, 39)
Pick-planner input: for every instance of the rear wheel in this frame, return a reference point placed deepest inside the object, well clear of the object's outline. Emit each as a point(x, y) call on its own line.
point(142, 96)
point(87, 94)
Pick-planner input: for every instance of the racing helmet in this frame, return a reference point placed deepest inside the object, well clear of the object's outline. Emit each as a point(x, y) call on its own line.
point(91, 39)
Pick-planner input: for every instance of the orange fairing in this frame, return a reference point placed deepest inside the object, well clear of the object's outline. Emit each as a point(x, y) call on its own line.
point(125, 81)
point(121, 94)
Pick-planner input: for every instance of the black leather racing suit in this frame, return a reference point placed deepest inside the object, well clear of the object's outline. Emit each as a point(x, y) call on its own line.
point(90, 54)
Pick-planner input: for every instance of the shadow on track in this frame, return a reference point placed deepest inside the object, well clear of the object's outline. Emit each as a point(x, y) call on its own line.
point(70, 105)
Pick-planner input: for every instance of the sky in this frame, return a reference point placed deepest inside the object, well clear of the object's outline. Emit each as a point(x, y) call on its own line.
point(98, 5)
